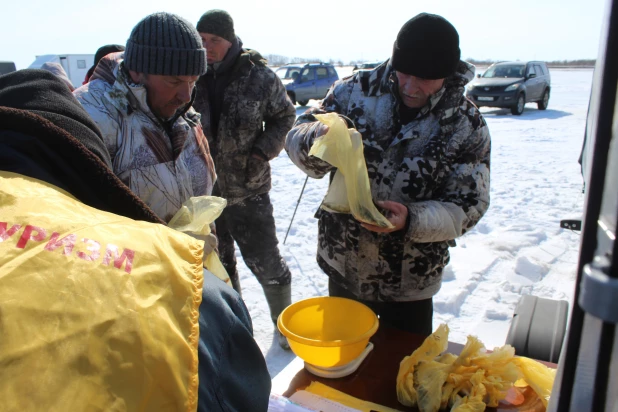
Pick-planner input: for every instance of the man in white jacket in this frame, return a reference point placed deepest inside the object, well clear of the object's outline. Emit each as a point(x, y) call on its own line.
point(141, 100)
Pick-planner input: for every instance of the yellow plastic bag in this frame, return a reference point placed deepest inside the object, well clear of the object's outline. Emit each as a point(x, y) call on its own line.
point(538, 376)
point(349, 192)
point(194, 218)
point(98, 311)
point(434, 345)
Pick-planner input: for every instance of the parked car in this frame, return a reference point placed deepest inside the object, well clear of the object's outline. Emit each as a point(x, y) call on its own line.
point(512, 85)
point(311, 81)
point(7, 67)
point(366, 66)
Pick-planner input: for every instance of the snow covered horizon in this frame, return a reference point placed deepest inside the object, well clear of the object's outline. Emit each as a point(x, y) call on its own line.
point(518, 248)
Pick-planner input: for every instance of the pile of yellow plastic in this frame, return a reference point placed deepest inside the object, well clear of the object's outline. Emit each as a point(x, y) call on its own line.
point(194, 218)
point(468, 382)
point(349, 192)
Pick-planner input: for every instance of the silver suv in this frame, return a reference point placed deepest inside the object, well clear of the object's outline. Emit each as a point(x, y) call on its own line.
point(512, 85)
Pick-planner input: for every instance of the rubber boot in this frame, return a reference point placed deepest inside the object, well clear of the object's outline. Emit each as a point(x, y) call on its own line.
point(278, 297)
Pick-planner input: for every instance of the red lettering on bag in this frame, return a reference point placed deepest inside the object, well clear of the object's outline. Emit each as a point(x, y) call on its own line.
point(4, 234)
point(68, 242)
point(27, 235)
point(94, 247)
point(112, 253)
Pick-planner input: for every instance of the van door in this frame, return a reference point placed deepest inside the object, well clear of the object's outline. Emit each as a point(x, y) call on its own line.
point(541, 74)
point(532, 85)
point(307, 87)
point(323, 82)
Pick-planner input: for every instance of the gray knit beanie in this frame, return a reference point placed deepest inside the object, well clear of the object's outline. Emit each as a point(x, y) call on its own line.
point(165, 44)
point(219, 23)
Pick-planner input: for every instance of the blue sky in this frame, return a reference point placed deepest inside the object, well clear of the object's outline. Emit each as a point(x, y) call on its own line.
point(339, 30)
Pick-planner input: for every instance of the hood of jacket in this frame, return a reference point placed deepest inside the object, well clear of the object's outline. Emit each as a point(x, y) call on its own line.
point(46, 134)
point(42, 93)
point(128, 95)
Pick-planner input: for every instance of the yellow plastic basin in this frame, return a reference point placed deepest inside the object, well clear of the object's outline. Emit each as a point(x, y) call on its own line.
point(327, 331)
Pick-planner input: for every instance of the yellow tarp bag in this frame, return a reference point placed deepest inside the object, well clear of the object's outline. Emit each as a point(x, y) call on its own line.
point(194, 218)
point(349, 192)
point(98, 312)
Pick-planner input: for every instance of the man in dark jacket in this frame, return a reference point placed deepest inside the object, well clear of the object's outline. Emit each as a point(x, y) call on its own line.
point(245, 114)
point(45, 134)
point(427, 152)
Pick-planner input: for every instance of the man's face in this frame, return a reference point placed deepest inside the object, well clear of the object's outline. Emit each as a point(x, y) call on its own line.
point(167, 94)
point(216, 47)
point(414, 91)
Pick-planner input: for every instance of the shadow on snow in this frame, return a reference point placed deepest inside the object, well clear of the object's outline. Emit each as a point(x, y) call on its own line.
point(528, 114)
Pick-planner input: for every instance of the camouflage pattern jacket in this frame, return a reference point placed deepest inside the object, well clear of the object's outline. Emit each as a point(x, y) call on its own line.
point(162, 166)
point(437, 165)
point(255, 117)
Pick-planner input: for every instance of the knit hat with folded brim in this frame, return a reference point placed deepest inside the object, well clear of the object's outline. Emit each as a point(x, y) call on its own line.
point(219, 23)
point(165, 44)
point(427, 46)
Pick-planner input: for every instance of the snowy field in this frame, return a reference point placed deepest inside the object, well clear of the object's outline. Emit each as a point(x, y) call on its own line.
point(517, 248)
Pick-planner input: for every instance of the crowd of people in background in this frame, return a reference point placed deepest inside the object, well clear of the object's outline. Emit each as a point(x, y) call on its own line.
point(182, 111)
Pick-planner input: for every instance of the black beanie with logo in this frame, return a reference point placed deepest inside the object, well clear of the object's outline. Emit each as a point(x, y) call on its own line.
point(427, 46)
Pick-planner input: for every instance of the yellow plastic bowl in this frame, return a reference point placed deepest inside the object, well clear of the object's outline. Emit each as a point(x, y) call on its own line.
point(327, 331)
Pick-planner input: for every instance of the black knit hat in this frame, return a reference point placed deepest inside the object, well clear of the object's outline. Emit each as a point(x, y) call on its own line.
point(102, 52)
point(105, 50)
point(427, 46)
point(219, 23)
point(165, 44)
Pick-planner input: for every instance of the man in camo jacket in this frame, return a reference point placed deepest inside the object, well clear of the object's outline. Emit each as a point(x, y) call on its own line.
point(427, 150)
point(246, 115)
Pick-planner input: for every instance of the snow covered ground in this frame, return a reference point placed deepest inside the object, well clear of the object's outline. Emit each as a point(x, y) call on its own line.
point(518, 247)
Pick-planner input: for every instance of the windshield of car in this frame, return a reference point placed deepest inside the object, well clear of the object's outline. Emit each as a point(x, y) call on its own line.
point(506, 70)
point(287, 72)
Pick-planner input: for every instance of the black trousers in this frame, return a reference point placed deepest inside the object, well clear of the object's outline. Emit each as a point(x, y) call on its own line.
point(252, 225)
point(414, 317)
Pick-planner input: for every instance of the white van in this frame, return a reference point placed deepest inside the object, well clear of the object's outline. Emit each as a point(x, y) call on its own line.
point(75, 65)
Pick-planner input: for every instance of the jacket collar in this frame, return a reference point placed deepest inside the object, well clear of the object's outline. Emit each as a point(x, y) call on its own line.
point(382, 80)
point(238, 62)
point(129, 97)
point(228, 61)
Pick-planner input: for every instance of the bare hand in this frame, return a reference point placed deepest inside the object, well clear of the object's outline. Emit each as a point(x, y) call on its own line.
point(321, 130)
point(396, 213)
